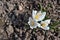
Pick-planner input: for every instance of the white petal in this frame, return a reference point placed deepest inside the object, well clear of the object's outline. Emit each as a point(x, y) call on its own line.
point(47, 28)
point(30, 21)
point(44, 12)
point(34, 13)
point(38, 24)
point(35, 26)
point(48, 21)
point(44, 23)
point(39, 12)
point(31, 27)
point(30, 18)
point(42, 16)
point(42, 27)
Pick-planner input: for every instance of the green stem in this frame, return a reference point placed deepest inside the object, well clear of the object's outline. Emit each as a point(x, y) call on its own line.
point(40, 6)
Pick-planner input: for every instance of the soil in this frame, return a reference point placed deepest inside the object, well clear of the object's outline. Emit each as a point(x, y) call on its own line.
point(14, 15)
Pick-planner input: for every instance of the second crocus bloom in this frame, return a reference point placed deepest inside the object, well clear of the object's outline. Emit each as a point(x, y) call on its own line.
point(32, 23)
point(44, 24)
point(38, 16)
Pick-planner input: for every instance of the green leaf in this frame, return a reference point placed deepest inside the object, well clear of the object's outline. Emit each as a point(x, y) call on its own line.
point(52, 26)
point(46, 17)
point(39, 6)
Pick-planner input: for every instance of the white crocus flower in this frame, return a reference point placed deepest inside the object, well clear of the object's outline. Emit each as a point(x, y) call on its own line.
point(32, 23)
point(44, 24)
point(38, 16)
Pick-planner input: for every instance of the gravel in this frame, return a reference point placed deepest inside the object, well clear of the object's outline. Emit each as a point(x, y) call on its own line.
point(14, 16)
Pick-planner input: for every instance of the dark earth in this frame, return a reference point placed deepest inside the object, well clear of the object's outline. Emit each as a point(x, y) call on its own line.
point(14, 15)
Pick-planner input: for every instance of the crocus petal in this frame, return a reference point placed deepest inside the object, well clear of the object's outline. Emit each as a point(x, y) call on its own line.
point(29, 23)
point(39, 14)
point(34, 13)
point(47, 28)
point(42, 16)
point(32, 23)
point(44, 25)
point(29, 20)
point(48, 21)
point(39, 25)
point(43, 22)
point(31, 27)
point(35, 26)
